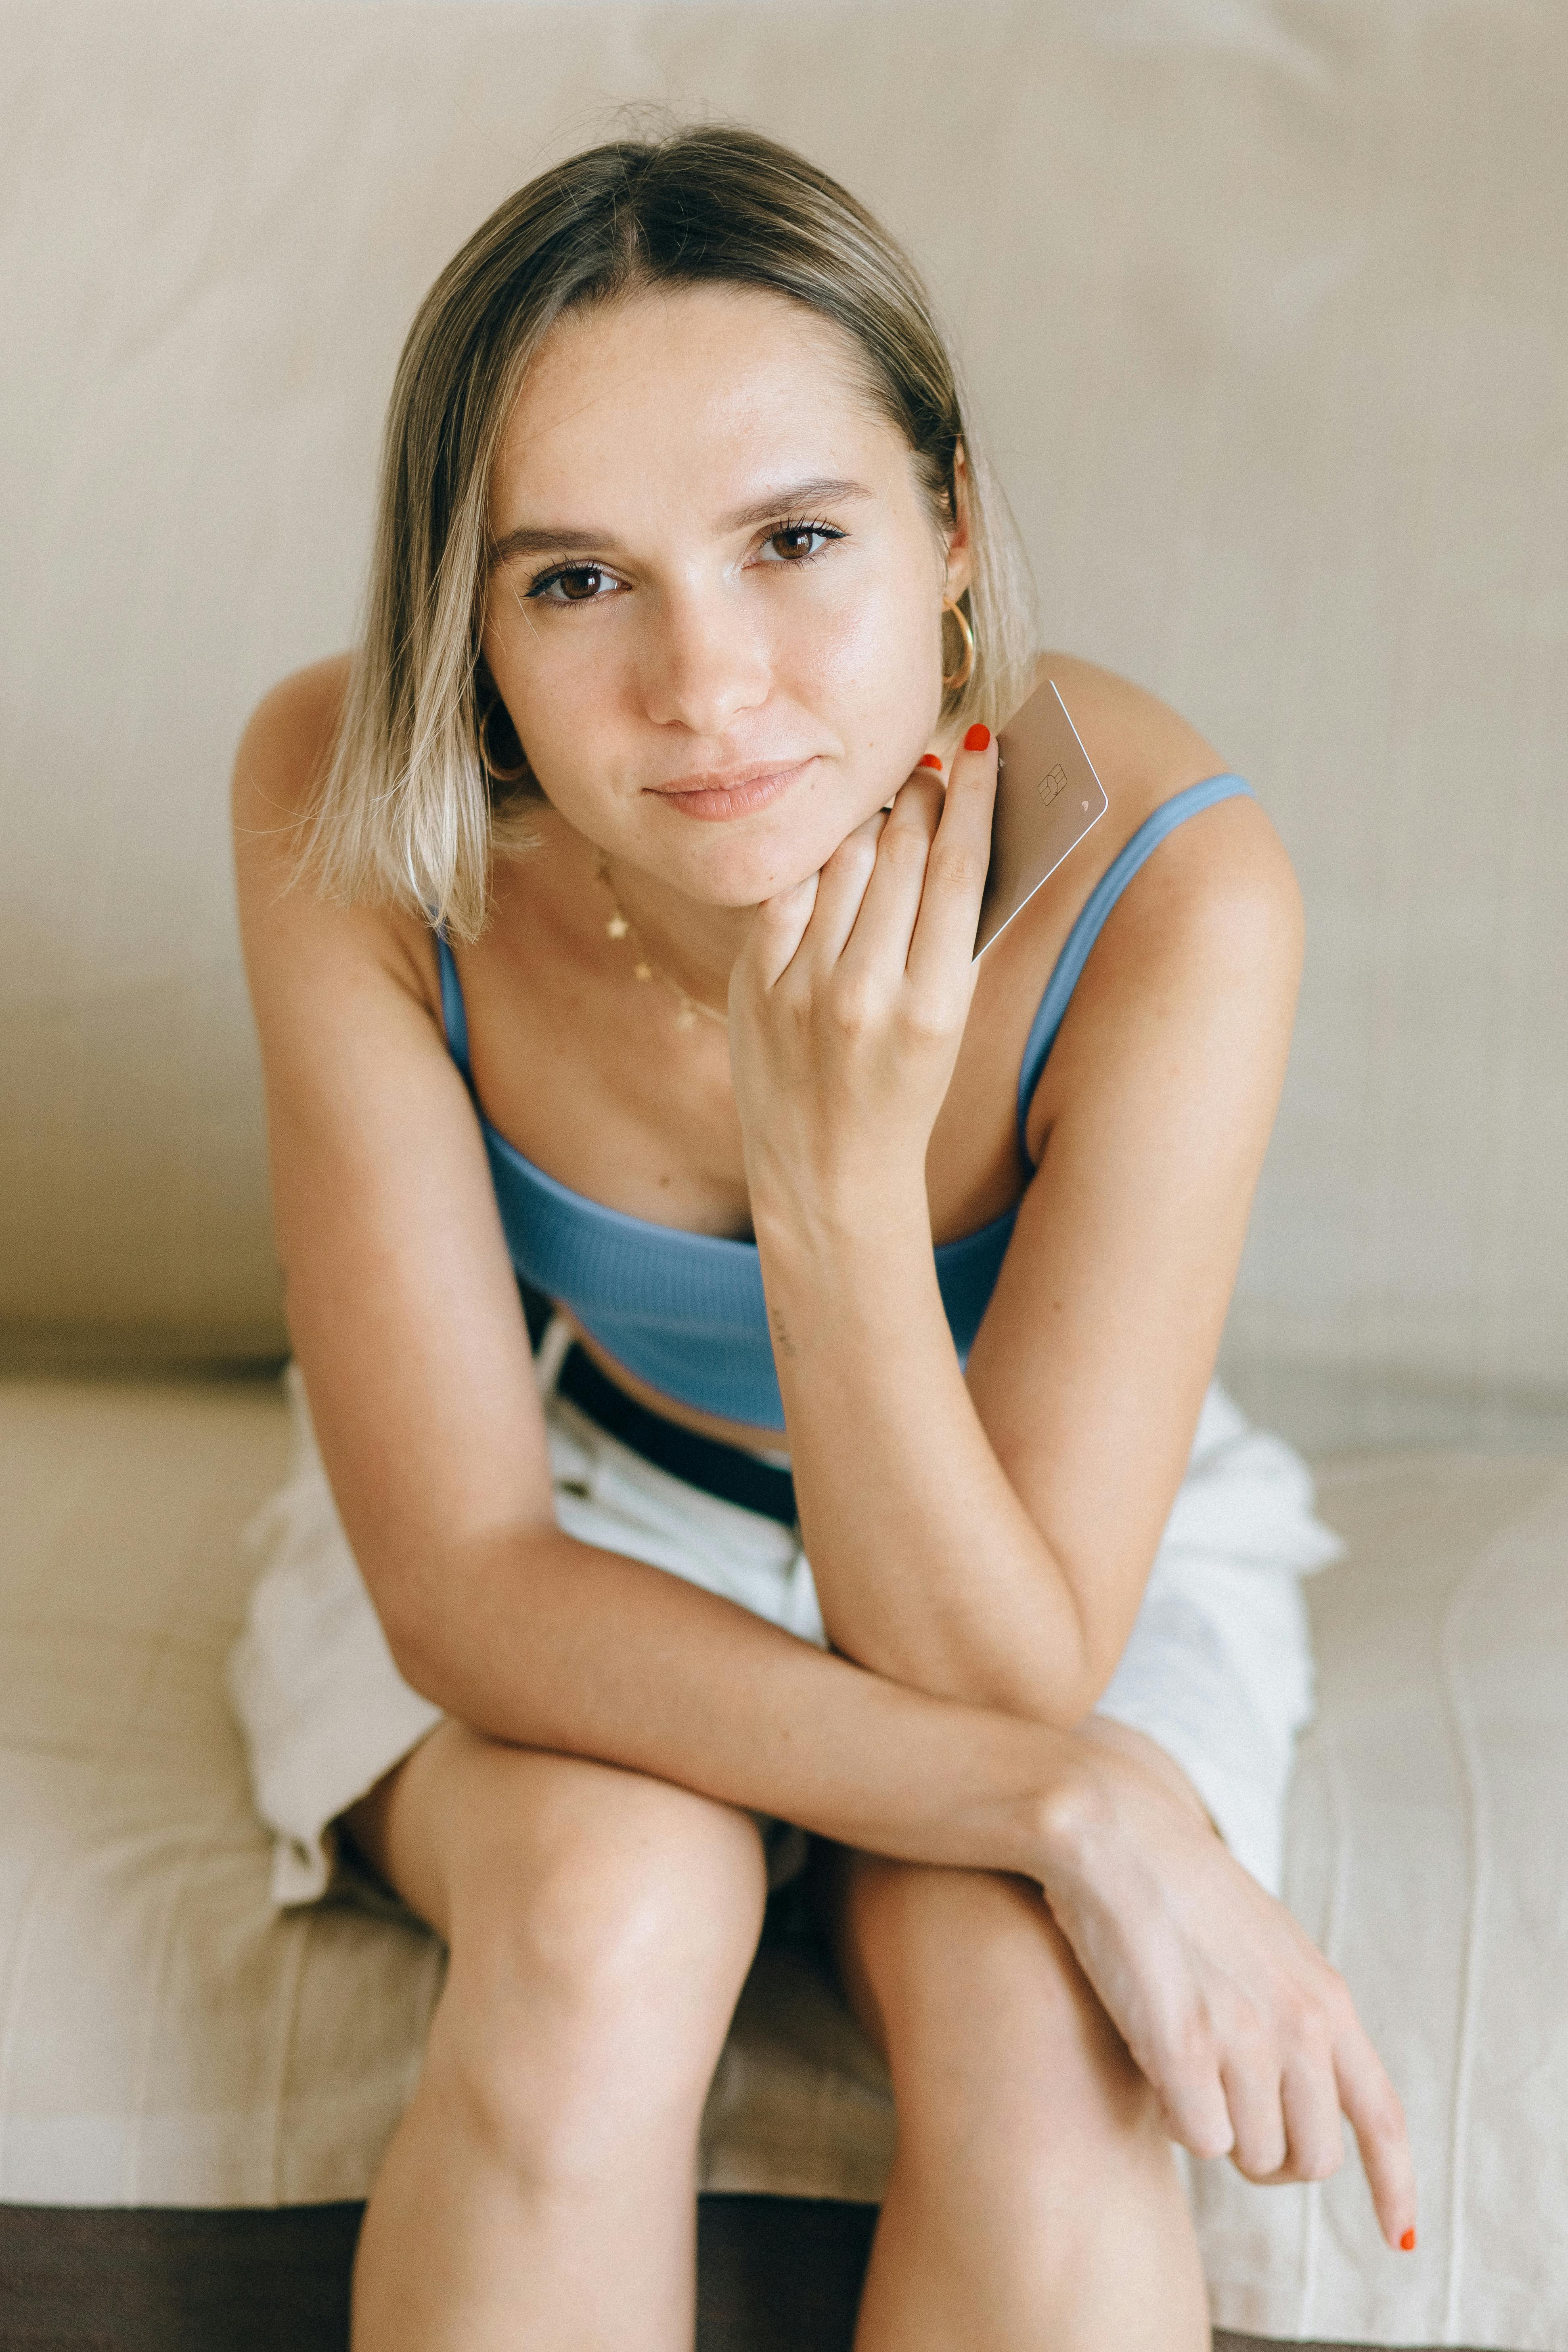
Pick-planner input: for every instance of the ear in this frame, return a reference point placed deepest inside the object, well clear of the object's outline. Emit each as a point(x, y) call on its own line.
point(960, 548)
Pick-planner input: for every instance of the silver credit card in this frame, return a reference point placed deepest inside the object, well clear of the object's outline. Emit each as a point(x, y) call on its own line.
point(1047, 797)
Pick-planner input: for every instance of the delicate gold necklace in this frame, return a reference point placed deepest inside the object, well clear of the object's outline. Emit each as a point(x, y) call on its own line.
point(620, 926)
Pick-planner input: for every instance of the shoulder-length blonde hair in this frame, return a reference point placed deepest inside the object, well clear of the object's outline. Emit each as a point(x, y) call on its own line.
point(428, 780)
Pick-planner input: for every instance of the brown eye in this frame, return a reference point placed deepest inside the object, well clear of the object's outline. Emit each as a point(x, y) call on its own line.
point(798, 543)
point(575, 584)
point(579, 587)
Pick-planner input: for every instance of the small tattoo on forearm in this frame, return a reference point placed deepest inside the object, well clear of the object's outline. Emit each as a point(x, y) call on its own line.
point(782, 1339)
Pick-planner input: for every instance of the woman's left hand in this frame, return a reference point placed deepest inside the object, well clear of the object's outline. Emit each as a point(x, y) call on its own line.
point(849, 1003)
point(1249, 2037)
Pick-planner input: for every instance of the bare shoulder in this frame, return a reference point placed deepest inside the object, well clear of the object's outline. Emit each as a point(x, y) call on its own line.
point(291, 931)
point(287, 743)
point(1142, 750)
point(1207, 937)
point(1224, 874)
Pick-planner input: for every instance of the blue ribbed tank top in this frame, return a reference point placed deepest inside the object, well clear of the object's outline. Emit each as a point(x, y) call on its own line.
point(685, 1312)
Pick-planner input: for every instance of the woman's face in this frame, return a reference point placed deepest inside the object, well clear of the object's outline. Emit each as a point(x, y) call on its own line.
point(715, 610)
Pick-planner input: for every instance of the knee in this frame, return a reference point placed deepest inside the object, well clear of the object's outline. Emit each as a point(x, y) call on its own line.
point(935, 1941)
point(970, 1983)
point(589, 1990)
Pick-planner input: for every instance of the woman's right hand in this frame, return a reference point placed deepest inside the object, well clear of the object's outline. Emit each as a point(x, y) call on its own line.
point(849, 1001)
point(1247, 2035)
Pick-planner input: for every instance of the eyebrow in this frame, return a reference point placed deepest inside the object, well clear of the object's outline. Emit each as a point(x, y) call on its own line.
point(563, 539)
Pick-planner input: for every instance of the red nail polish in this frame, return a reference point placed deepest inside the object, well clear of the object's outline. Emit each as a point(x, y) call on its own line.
point(1408, 2243)
point(930, 760)
point(977, 738)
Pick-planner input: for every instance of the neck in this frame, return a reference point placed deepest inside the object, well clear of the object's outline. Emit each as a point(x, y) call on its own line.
point(694, 942)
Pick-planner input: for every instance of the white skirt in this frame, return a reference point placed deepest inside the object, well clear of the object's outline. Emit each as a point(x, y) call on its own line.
point(1217, 1669)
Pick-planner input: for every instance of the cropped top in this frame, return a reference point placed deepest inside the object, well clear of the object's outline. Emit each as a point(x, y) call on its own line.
point(684, 1311)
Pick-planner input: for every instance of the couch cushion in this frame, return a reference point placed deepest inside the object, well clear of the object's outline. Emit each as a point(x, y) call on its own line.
point(1428, 1856)
point(167, 2038)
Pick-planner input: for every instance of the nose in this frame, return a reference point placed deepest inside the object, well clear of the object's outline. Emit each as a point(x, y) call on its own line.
point(705, 664)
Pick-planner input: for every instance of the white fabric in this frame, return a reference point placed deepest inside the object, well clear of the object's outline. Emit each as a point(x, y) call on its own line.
point(1262, 308)
point(1219, 1667)
point(168, 2035)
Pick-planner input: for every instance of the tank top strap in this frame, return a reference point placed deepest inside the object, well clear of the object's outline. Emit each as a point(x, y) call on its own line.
point(454, 1013)
point(1096, 906)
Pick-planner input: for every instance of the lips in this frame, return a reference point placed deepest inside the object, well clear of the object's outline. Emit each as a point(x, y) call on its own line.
point(730, 792)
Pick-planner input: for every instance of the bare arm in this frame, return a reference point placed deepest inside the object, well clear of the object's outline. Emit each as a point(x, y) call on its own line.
point(404, 1315)
point(990, 1537)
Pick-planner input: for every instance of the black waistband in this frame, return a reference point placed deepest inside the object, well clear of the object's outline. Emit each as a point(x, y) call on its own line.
point(727, 1471)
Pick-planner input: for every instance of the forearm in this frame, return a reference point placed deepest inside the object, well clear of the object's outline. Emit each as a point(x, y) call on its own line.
point(928, 1567)
point(552, 1643)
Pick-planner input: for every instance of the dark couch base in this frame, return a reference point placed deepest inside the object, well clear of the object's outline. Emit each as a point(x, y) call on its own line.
point(775, 2274)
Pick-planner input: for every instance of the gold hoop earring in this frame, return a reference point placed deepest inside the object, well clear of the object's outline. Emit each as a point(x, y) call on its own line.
point(965, 670)
point(504, 777)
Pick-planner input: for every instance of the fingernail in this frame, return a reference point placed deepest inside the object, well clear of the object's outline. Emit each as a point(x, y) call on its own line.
point(1408, 2243)
point(930, 760)
point(977, 738)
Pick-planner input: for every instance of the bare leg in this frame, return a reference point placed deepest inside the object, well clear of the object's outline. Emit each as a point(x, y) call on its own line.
point(1033, 2204)
point(539, 2193)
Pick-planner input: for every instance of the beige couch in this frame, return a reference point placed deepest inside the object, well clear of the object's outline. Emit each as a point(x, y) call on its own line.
point(1263, 307)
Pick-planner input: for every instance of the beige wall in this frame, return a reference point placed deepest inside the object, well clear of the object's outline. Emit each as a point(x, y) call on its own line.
point(1264, 305)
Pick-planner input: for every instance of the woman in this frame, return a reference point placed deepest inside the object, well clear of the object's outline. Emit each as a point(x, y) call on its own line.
point(608, 920)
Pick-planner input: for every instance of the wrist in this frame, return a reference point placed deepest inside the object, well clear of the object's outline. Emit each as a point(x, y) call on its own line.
point(852, 1245)
point(837, 1218)
point(1071, 1813)
point(847, 1291)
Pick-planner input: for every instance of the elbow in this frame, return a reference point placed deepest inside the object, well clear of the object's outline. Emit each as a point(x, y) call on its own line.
point(413, 1608)
point(1070, 1701)
point(1069, 1678)
point(1101, 1654)
point(1080, 1651)
point(435, 1612)
point(1041, 1665)
point(1058, 1686)
point(414, 1642)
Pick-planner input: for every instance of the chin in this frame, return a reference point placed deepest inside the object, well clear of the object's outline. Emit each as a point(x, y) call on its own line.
point(739, 873)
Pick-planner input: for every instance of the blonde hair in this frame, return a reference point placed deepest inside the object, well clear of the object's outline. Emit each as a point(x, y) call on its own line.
point(412, 809)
